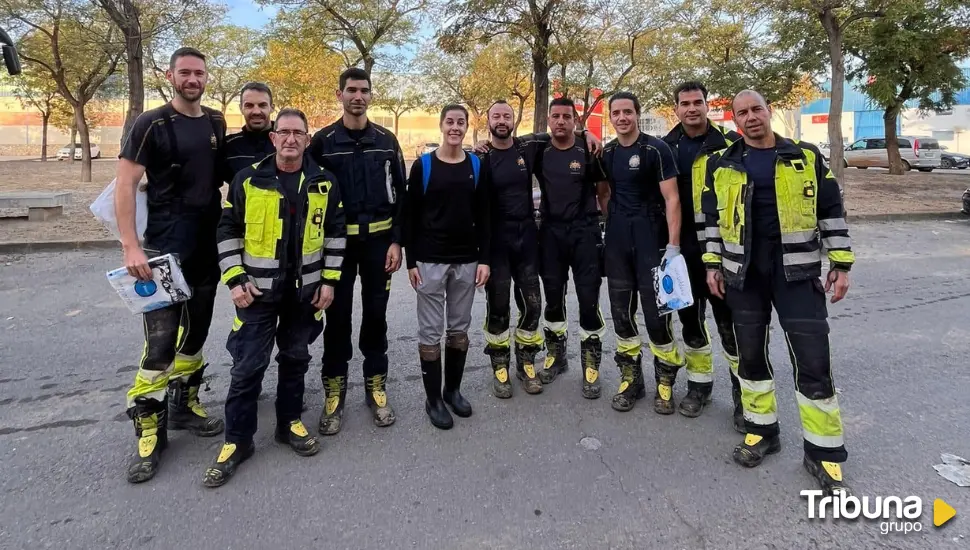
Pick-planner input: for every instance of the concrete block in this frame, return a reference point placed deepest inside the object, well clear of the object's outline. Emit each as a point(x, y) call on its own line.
point(43, 214)
point(34, 199)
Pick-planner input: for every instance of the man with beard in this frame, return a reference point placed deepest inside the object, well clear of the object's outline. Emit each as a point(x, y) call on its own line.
point(693, 140)
point(369, 166)
point(252, 144)
point(178, 146)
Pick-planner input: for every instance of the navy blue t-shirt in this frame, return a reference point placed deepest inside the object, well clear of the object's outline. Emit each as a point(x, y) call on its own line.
point(687, 149)
point(635, 175)
point(760, 165)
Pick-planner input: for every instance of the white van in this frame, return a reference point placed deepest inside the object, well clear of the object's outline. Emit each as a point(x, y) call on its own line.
point(922, 153)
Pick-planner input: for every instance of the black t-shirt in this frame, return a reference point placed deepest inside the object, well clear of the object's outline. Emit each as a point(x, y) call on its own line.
point(569, 179)
point(356, 134)
point(760, 165)
point(636, 175)
point(449, 222)
point(290, 182)
point(687, 149)
point(511, 185)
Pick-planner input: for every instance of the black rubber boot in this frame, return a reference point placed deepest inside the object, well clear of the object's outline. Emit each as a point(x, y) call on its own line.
point(499, 358)
point(454, 369)
point(230, 457)
point(666, 376)
point(185, 411)
point(591, 351)
point(632, 387)
point(738, 407)
point(149, 419)
point(431, 375)
point(525, 371)
point(295, 435)
point(335, 392)
point(752, 451)
point(828, 475)
point(376, 398)
point(556, 361)
point(698, 396)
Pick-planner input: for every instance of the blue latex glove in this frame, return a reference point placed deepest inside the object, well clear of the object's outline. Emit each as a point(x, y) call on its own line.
point(672, 252)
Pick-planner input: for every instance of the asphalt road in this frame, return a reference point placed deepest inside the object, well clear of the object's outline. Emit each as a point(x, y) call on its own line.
point(552, 471)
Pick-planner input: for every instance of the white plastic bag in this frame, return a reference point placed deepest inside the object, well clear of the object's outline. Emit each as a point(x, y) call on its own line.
point(103, 209)
point(672, 286)
point(166, 287)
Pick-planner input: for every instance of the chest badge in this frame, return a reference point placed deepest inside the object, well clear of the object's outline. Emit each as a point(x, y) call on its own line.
point(212, 141)
point(574, 166)
point(635, 162)
point(520, 162)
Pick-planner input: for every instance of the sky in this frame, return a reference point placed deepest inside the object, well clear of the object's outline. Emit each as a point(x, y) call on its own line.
point(249, 13)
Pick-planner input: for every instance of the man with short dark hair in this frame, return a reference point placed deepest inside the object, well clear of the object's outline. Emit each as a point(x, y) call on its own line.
point(178, 147)
point(251, 144)
point(369, 166)
point(281, 243)
point(693, 140)
point(643, 199)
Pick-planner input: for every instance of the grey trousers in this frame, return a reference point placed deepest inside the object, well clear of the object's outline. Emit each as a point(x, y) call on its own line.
point(451, 285)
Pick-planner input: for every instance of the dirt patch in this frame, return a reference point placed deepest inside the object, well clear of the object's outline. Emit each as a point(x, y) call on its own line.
point(866, 192)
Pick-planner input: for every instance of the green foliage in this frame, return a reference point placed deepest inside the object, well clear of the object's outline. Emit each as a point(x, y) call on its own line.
point(231, 52)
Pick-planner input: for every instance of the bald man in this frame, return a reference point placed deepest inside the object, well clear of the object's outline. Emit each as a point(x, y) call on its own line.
point(763, 248)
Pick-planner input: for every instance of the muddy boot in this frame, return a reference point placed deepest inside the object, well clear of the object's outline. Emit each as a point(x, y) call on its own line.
point(230, 457)
point(828, 475)
point(738, 407)
point(334, 392)
point(556, 361)
point(377, 400)
point(663, 399)
point(499, 358)
point(148, 416)
point(295, 435)
point(753, 450)
point(698, 396)
point(591, 351)
point(632, 387)
point(434, 405)
point(525, 370)
point(185, 411)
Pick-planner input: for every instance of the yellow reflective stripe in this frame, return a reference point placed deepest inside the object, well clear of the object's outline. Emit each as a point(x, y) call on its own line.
point(232, 272)
point(700, 364)
point(331, 274)
point(758, 400)
point(229, 245)
point(821, 420)
point(833, 224)
point(628, 346)
point(187, 364)
point(149, 383)
point(500, 340)
point(798, 237)
point(373, 227)
point(836, 242)
point(669, 354)
point(801, 258)
point(711, 257)
point(841, 256)
point(528, 338)
point(236, 323)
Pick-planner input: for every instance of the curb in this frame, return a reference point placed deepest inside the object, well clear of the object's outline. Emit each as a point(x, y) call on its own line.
point(58, 246)
point(910, 217)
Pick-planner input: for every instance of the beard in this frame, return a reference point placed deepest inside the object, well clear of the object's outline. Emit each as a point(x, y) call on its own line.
point(500, 128)
point(190, 94)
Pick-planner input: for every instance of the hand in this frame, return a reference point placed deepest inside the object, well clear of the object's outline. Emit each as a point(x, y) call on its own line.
point(482, 146)
point(715, 283)
point(415, 276)
point(672, 252)
point(481, 275)
point(840, 279)
point(393, 261)
point(243, 295)
point(136, 262)
point(323, 297)
point(594, 145)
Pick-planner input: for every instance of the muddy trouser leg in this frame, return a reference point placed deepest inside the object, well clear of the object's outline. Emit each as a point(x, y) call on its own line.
point(621, 286)
point(498, 293)
point(161, 328)
point(524, 264)
point(697, 338)
point(338, 348)
point(251, 345)
point(585, 262)
point(298, 326)
point(554, 270)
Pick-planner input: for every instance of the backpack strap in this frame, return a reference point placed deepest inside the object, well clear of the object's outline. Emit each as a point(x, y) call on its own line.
point(425, 170)
point(168, 113)
point(476, 167)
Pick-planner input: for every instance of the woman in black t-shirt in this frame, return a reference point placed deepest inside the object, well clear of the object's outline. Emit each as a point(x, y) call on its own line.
point(446, 247)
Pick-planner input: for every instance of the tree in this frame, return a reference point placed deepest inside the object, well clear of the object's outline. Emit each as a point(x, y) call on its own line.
point(356, 30)
point(36, 90)
point(79, 50)
point(912, 54)
point(232, 54)
point(302, 75)
point(398, 93)
point(803, 92)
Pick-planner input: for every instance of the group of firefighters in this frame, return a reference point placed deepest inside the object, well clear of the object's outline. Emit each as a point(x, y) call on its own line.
point(304, 215)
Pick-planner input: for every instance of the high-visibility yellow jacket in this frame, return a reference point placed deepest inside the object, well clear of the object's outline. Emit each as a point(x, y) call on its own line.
point(256, 230)
point(810, 213)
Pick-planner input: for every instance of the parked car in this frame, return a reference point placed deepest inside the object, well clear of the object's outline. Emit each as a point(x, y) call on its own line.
point(954, 160)
point(426, 148)
point(65, 152)
point(918, 152)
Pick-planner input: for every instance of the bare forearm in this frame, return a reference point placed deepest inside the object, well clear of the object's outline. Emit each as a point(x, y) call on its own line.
point(125, 211)
point(673, 219)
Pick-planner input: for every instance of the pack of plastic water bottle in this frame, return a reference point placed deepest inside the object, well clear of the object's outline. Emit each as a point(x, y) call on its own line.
point(166, 287)
point(671, 284)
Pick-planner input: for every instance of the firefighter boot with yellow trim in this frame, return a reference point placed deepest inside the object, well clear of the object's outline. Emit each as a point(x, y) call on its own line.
point(499, 358)
point(663, 399)
point(185, 411)
point(828, 475)
point(230, 457)
point(525, 371)
point(753, 450)
point(148, 416)
point(556, 361)
point(334, 393)
point(632, 387)
point(295, 434)
point(376, 398)
point(591, 351)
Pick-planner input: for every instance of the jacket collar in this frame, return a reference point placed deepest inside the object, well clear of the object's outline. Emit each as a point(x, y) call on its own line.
point(266, 170)
point(786, 149)
point(342, 135)
point(714, 138)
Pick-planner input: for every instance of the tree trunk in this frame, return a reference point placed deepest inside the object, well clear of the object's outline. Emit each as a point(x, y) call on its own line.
point(397, 117)
point(73, 137)
point(475, 134)
point(43, 140)
point(136, 68)
point(518, 116)
point(368, 63)
point(82, 129)
point(540, 71)
point(892, 142)
point(836, 149)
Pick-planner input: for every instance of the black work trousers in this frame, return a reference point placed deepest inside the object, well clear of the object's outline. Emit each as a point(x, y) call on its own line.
point(514, 259)
point(293, 324)
point(367, 256)
point(573, 244)
point(803, 317)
